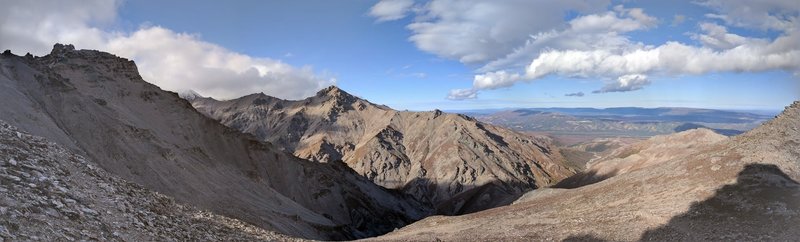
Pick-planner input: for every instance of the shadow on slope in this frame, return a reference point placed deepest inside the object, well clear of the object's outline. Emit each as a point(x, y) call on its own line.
point(467, 198)
point(763, 204)
point(583, 179)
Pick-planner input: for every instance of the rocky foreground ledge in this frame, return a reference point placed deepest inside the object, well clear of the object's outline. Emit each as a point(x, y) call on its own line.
point(51, 194)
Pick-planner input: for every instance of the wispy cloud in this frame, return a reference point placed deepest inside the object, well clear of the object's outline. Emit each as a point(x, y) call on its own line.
point(625, 83)
point(388, 10)
point(462, 94)
point(574, 94)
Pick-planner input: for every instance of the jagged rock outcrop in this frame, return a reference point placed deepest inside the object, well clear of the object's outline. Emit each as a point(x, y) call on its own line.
point(452, 162)
point(743, 188)
point(51, 194)
point(97, 105)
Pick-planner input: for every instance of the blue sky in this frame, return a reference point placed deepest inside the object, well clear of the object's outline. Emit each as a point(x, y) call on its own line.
point(413, 54)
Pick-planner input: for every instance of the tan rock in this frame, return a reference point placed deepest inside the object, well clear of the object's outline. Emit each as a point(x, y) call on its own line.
point(451, 161)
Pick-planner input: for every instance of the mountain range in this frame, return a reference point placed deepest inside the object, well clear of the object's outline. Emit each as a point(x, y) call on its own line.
point(691, 186)
point(91, 151)
point(451, 162)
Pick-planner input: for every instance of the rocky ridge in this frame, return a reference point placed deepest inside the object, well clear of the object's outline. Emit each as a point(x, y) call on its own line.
point(96, 105)
point(51, 194)
point(452, 162)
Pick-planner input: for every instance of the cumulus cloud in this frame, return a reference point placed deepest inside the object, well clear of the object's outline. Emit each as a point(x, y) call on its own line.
point(462, 94)
point(588, 38)
point(500, 38)
point(671, 58)
point(388, 10)
point(625, 83)
point(476, 31)
point(589, 32)
point(717, 36)
point(595, 46)
point(173, 61)
point(574, 94)
point(493, 80)
point(34, 26)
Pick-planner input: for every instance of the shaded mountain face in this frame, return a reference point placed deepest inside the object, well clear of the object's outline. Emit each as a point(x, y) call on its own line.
point(691, 186)
point(98, 106)
point(452, 162)
point(52, 194)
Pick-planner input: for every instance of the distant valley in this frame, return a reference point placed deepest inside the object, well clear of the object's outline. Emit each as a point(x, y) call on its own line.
point(575, 125)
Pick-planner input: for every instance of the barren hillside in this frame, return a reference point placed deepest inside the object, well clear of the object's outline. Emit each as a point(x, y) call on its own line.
point(453, 162)
point(97, 105)
point(667, 188)
point(51, 194)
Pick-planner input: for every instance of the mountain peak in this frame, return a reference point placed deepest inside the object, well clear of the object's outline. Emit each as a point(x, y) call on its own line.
point(339, 96)
point(59, 48)
point(189, 94)
point(332, 91)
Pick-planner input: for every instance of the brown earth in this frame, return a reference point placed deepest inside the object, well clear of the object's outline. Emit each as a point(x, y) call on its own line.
point(96, 105)
point(451, 162)
point(689, 186)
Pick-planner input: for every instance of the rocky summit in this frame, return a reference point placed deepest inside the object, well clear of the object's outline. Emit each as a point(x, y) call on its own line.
point(451, 162)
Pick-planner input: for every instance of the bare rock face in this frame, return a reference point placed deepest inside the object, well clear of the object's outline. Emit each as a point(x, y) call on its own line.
point(689, 186)
point(452, 162)
point(51, 194)
point(96, 105)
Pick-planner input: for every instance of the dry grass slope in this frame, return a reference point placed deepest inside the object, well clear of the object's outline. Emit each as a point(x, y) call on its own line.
point(743, 188)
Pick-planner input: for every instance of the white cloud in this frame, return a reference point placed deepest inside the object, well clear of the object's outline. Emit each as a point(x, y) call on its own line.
point(588, 32)
point(778, 15)
point(625, 83)
point(594, 46)
point(462, 94)
point(477, 31)
point(717, 37)
point(34, 26)
point(388, 10)
point(671, 58)
point(588, 39)
point(493, 80)
point(173, 61)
